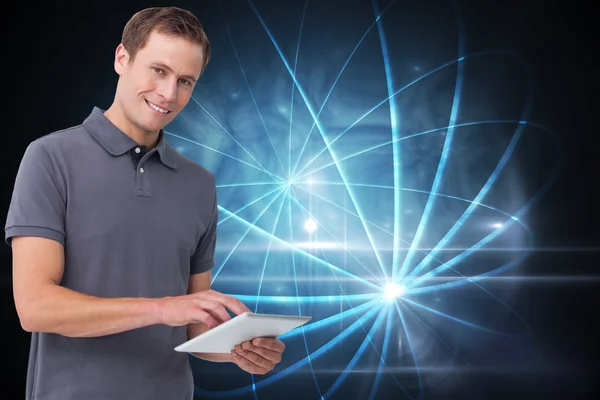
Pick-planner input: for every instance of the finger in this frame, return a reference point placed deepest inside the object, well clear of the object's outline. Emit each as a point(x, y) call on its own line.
point(215, 309)
point(242, 346)
point(205, 318)
point(247, 365)
point(256, 359)
point(273, 356)
point(235, 305)
point(269, 343)
point(230, 302)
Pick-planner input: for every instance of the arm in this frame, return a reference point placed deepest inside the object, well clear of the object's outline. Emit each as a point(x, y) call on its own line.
point(35, 229)
point(45, 306)
point(198, 283)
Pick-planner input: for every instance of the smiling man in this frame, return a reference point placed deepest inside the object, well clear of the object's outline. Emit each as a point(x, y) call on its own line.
point(113, 235)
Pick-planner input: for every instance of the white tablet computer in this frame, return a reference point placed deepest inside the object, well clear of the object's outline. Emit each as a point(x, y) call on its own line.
point(223, 338)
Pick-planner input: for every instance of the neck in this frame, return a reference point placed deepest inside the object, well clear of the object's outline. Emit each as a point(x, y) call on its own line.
point(116, 115)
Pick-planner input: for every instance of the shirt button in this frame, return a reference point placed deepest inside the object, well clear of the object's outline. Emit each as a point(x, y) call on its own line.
point(142, 170)
point(137, 150)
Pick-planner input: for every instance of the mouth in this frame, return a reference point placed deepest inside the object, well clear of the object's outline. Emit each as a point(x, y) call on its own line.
point(157, 109)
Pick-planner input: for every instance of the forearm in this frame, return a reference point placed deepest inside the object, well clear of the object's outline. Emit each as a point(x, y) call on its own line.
point(56, 309)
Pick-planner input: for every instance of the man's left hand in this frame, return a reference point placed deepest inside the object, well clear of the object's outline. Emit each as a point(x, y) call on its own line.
point(258, 356)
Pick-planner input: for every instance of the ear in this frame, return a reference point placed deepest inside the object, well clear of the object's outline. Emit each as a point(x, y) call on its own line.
point(121, 59)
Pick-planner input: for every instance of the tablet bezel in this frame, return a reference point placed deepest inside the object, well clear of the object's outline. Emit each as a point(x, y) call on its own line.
point(239, 320)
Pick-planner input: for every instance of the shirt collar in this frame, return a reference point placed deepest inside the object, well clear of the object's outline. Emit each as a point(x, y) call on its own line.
point(118, 143)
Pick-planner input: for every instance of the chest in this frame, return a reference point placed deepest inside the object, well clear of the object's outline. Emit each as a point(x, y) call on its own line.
point(121, 204)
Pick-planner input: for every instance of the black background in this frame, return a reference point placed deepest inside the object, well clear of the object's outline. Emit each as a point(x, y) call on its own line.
point(56, 58)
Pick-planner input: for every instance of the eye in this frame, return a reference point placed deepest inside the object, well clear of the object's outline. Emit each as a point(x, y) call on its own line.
point(185, 82)
point(158, 70)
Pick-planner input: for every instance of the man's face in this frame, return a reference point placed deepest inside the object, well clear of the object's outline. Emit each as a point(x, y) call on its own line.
point(158, 83)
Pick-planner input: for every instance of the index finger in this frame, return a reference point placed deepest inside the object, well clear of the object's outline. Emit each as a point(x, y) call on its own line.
point(231, 303)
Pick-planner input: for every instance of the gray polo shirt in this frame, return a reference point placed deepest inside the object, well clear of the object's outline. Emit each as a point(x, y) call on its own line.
point(133, 224)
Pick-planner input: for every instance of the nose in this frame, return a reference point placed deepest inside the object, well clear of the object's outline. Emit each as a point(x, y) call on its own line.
point(168, 90)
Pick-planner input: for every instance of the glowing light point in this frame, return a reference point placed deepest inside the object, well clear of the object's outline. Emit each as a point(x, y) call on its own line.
point(310, 225)
point(393, 291)
point(498, 226)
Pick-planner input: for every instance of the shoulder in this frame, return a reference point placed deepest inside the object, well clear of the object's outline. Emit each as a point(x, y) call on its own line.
point(60, 140)
point(51, 146)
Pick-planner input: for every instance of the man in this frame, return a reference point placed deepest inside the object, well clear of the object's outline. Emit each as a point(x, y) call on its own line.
point(113, 235)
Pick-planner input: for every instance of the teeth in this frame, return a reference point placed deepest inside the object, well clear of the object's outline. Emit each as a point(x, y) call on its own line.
point(157, 108)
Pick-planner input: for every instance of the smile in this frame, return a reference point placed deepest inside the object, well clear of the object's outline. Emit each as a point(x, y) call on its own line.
point(157, 108)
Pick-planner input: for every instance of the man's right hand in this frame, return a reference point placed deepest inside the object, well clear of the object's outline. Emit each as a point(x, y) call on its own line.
point(208, 307)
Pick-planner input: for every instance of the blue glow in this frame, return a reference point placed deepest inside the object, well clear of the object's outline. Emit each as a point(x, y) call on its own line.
point(379, 181)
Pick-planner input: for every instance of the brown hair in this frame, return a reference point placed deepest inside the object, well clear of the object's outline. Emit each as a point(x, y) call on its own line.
point(172, 21)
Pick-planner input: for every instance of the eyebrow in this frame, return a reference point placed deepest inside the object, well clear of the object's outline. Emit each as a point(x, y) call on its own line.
point(165, 66)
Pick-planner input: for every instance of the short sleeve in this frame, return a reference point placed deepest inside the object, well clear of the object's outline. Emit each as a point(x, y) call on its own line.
point(203, 258)
point(37, 206)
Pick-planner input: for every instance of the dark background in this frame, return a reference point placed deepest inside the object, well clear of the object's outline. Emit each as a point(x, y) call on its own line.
point(58, 64)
